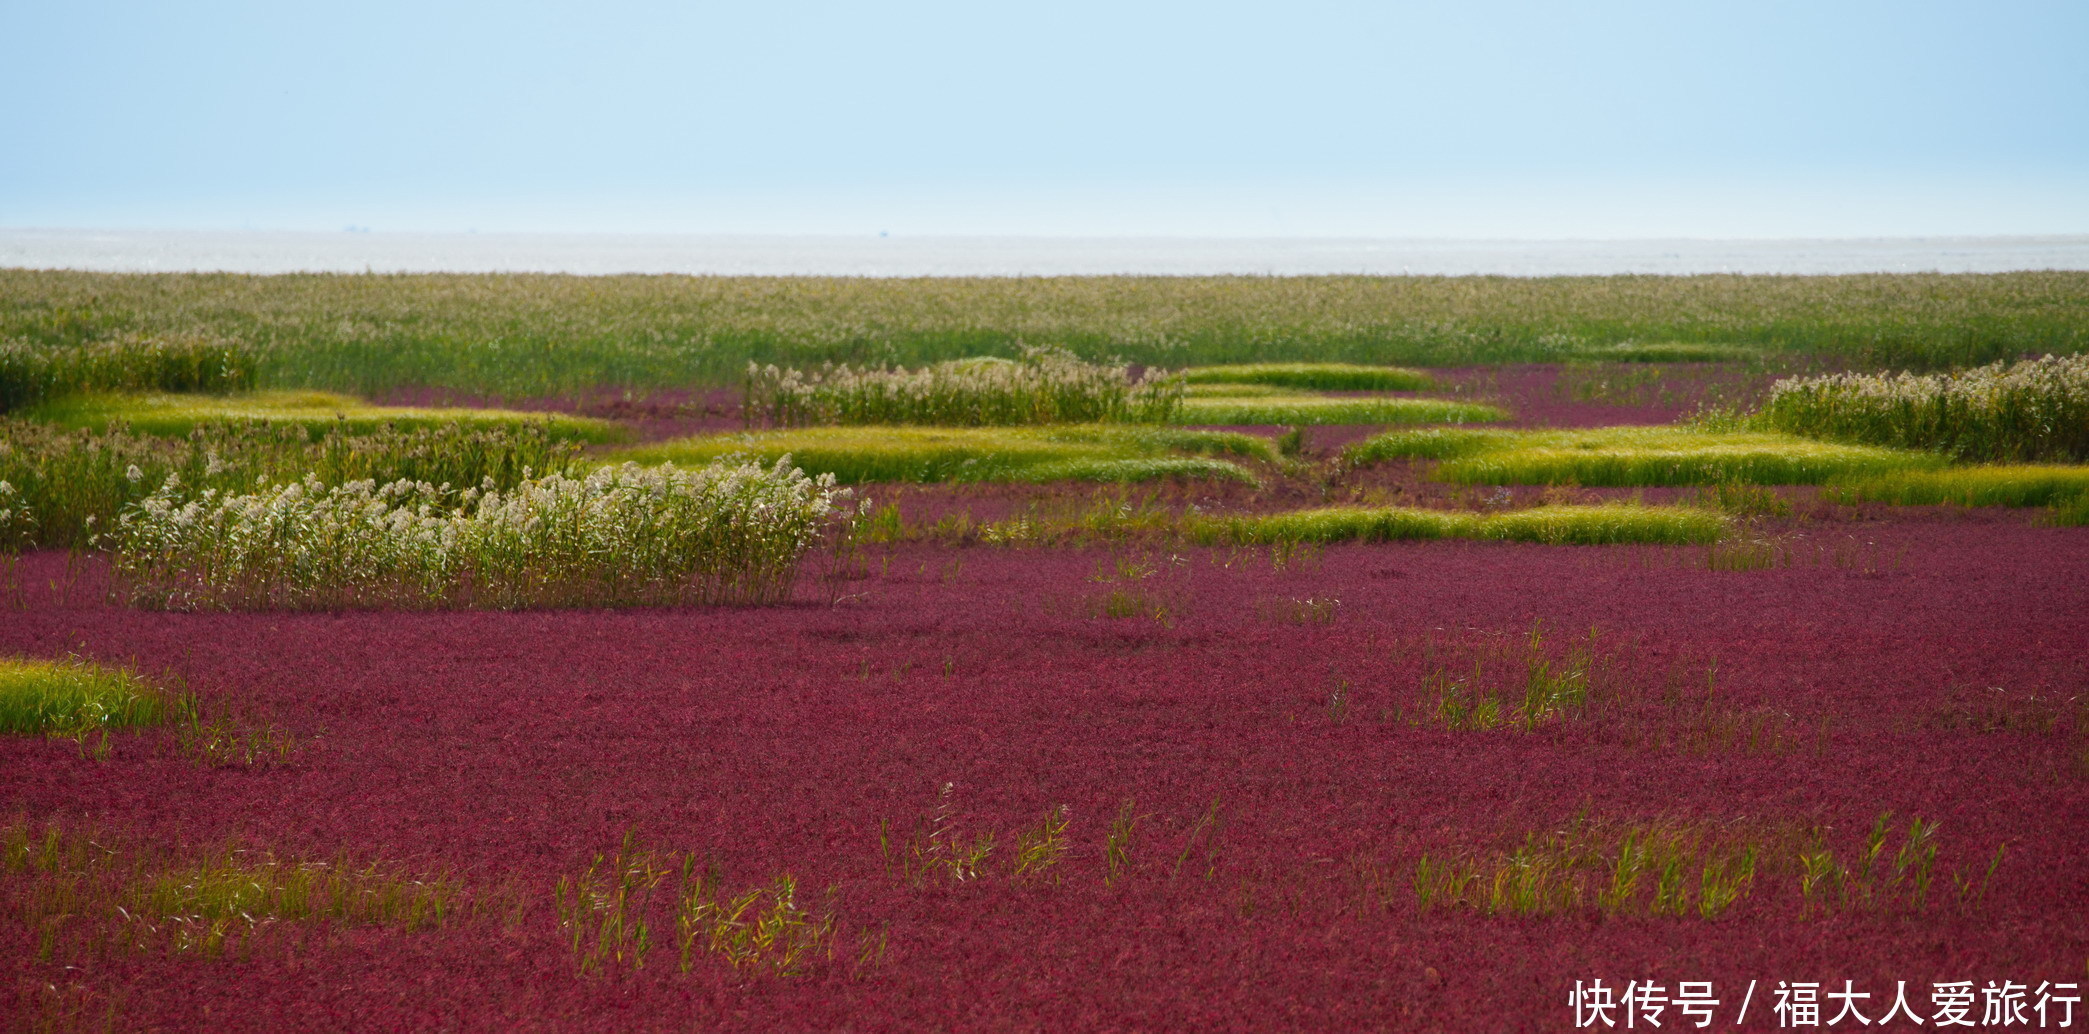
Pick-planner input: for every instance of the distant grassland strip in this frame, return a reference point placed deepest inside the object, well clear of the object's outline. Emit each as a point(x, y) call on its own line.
point(1554, 525)
point(1309, 409)
point(536, 335)
point(1091, 452)
point(1315, 376)
point(1635, 456)
point(317, 411)
point(1999, 485)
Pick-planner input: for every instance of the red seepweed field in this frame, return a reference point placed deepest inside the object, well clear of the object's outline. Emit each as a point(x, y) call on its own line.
point(1150, 785)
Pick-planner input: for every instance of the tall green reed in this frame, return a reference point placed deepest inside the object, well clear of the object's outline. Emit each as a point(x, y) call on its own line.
point(1043, 386)
point(2017, 411)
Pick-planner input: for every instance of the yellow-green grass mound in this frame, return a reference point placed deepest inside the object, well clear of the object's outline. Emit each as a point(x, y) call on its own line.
point(1321, 409)
point(75, 698)
point(1555, 525)
point(1631, 456)
point(1080, 452)
point(317, 411)
point(2010, 484)
point(1319, 376)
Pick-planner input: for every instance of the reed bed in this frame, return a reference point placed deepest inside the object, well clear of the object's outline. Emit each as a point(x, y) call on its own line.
point(2006, 411)
point(1313, 376)
point(318, 412)
point(62, 488)
point(1634, 456)
point(1552, 525)
point(1309, 409)
point(1994, 485)
point(1043, 386)
point(75, 698)
point(533, 336)
point(728, 533)
point(31, 373)
point(1095, 452)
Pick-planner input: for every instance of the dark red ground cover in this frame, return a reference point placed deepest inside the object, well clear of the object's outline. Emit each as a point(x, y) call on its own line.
point(511, 747)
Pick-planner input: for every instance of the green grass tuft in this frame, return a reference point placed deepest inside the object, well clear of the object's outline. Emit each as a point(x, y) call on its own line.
point(1319, 376)
point(316, 411)
point(74, 698)
point(1626, 456)
point(1554, 525)
point(1086, 452)
point(1310, 409)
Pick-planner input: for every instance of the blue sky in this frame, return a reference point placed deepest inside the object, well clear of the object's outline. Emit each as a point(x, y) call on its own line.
point(1483, 119)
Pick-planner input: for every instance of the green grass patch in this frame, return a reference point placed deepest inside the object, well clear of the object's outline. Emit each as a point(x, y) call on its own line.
point(1315, 376)
point(1090, 452)
point(1998, 485)
point(1630, 456)
point(316, 411)
point(1311, 409)
point(1554, 525)
point(74, 698)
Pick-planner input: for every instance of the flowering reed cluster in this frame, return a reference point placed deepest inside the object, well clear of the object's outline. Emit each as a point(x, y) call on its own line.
point(61, 488)
point(2032, 410)
point(731, 532)
point(1045, 386)
point(31, 373)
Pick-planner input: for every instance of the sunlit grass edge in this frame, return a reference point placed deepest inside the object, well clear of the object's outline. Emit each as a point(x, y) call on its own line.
point(318, 412)
point(1084, 452)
